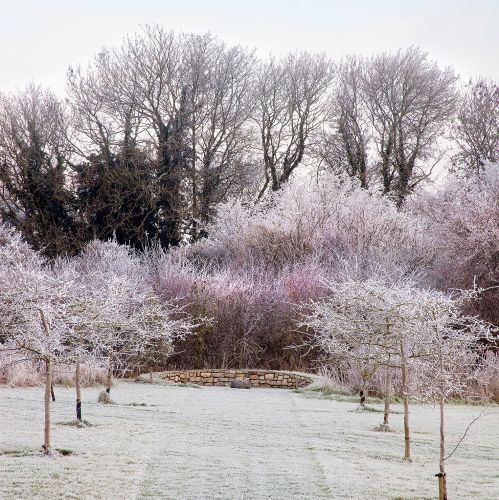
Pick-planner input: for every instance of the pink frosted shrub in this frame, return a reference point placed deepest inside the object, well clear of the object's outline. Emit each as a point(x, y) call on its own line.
point(462, 222)
point(262, 260)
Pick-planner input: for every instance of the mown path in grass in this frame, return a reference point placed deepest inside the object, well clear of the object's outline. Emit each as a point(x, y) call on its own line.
point(234, 444)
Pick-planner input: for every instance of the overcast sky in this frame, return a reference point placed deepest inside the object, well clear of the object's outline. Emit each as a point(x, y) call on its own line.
point(40, 39)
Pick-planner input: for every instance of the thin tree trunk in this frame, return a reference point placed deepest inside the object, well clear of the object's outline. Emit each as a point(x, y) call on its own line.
point(52, 393)
point(151, 380)
point(442, 483)
point(405, 398)
point(109, 378)
point(388, 384)
point(48, 387)
point(78, 390)
point(363, 393)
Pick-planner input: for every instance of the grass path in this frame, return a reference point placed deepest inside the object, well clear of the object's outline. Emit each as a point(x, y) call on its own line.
point(235, 444)
point(218, 443)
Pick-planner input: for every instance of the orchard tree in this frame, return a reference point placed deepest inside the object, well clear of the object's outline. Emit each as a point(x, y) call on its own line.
point(449, 367)
point(133, 325)
point(32, 312)
point(375, 325)
point(85, 316)
point(358, 322)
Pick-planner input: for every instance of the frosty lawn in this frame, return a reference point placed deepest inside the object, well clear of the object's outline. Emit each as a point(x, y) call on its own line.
point(181, 442)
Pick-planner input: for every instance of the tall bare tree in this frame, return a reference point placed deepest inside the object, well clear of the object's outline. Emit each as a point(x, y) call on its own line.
point(476, 129)
point(185, 99)
point(149, 76)
point(115, 179)
point(34, 170)
point(409, 102)
point(345, 142)
point(219, 82)
point(291, 105)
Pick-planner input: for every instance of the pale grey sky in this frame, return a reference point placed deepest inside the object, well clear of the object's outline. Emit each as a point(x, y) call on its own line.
point(40, 39)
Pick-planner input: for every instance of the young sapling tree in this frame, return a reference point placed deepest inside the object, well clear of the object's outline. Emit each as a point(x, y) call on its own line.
point(32, 312)
point(449, 367)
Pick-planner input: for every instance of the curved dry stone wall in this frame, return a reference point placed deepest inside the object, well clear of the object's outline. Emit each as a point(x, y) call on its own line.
point(257, 378)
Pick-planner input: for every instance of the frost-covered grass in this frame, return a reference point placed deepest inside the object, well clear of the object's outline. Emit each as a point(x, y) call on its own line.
point(163, 441)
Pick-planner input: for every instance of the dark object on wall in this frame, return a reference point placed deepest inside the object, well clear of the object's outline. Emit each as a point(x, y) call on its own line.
point(240, 384)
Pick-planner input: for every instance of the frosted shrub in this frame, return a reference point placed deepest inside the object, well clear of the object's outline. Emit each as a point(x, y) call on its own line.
point(462, 220)
point(262, 260)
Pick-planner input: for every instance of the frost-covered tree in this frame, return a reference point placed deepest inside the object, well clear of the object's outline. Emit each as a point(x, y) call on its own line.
point(133, 325)
point(291, 104)
point(374, 325)
point(351, 325)
point(456, 344)
point(476, 128)
point(33, 312)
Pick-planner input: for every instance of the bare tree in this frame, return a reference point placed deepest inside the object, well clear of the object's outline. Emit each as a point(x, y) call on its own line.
point(118, 187)
point(345, 142)
point(37, 197)
point(173, 110)
point(32, 319)
point(409, 101)
point(451, 363)
point(149, 75)
point(476, 129)
point(219, 83)
point(291, 105)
